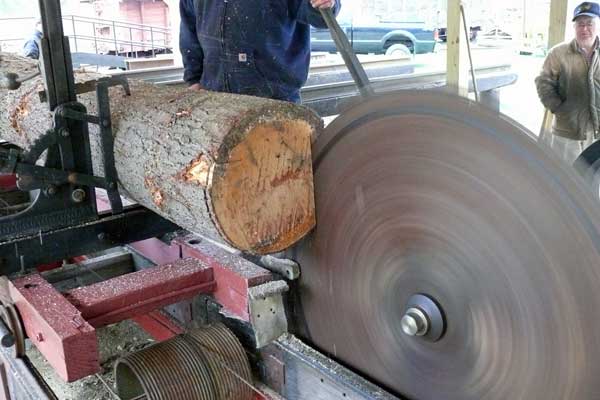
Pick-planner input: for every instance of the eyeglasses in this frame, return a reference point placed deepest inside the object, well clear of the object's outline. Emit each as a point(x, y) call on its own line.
point(586, 24)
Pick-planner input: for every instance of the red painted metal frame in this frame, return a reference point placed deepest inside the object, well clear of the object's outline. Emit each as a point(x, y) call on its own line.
point(62, 327)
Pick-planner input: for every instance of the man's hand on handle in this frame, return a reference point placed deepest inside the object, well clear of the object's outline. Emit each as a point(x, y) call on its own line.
point(195, 87)
point(322, 3)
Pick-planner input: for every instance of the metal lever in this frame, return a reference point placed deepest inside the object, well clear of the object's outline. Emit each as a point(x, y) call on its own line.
point(345, 48)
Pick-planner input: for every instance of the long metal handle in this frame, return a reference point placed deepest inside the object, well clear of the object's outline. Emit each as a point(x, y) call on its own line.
point(468, 41)
point(345, 48)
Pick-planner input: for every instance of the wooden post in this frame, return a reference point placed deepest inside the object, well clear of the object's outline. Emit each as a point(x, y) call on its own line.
point(56, 328)
point(556, 34)
point(457, 60)
point(558, 22)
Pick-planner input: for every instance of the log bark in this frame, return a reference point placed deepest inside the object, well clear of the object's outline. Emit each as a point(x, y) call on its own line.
point(225, 166)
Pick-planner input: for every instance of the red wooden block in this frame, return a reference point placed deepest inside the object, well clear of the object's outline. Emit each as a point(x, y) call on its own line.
point(233, 274)
point(49, 266)
point(143, 291)
point(56, 328)
point(8, 182)
point(157, 251)
point(158, 325)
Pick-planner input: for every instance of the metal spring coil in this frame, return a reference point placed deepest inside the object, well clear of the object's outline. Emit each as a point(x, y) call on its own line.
point(227, 360)
point(203, 364)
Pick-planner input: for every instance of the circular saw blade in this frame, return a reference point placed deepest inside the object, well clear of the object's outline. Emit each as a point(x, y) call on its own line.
point(424, 193)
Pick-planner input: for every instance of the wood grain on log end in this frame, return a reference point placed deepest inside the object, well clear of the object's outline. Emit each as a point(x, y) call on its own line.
point(262, 195)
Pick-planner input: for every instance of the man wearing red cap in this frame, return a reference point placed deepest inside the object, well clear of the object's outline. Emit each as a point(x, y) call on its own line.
point(569, 85)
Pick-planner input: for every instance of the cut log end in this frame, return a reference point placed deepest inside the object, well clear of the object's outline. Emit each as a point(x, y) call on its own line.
point(262, 197)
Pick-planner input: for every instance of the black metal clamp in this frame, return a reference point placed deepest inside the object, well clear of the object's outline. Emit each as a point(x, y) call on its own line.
point(103, 120)
point(32, 176)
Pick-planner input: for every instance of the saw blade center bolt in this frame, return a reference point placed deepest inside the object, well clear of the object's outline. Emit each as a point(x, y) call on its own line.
point(423, 318)
point(414, 322)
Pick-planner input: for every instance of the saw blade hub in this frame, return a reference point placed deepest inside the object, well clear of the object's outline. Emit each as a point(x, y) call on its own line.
point(423, 318)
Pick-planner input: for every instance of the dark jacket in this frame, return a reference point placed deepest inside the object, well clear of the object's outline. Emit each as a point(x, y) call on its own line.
point(569, 86)
point(31, 48)
point(253, 47)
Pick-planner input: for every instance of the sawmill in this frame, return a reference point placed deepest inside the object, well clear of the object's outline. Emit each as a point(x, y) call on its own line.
point(420, 245)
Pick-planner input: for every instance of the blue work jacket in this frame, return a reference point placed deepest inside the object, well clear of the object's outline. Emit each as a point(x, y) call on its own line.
point(31, 48)
point(254, 47)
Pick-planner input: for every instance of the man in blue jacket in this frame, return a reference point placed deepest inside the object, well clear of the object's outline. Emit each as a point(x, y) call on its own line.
point(253, 47)
point(31, 48)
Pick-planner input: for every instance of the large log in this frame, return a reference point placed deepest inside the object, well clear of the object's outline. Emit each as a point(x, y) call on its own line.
point(225, 166)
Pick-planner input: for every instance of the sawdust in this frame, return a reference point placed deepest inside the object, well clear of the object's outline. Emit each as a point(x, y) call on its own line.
point(21, 110)
point(113, 342)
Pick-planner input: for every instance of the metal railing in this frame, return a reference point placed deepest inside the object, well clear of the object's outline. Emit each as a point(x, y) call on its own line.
point(101, 36)
point(125, 38)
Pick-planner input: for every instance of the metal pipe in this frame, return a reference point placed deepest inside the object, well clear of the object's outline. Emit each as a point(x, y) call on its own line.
point(115, 39)
point(152, 41)
point(130, 42)
point(468, 40)
point(74, 33)
point(95, 39)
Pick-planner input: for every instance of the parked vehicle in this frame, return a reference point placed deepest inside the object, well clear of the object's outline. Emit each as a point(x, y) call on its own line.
point(473, 32)
point(380, 38)
point(495, 38)
point(533, 45)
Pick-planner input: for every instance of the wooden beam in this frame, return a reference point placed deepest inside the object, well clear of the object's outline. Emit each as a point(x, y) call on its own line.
point(62, 327)
point(56, 328)
point(457, 60)
point(233, 274)
point(143, 291)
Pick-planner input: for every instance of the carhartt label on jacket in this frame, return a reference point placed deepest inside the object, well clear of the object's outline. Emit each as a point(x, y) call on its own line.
point(243, 57)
